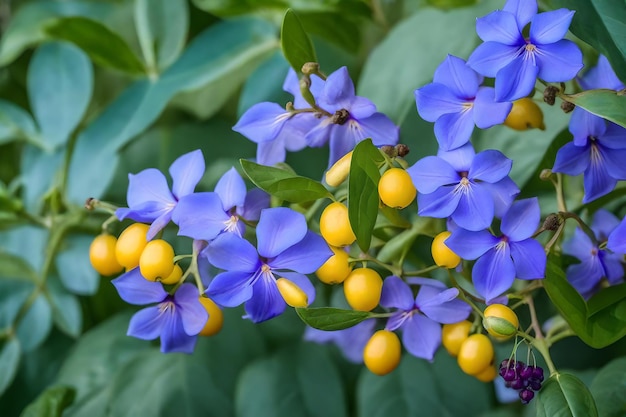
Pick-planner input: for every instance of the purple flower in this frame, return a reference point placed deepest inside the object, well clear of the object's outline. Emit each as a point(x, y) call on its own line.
point(466, 186)
point(502, 258)
point(276, 130)
point(595, 264)
point(515, 61)
point(176, 319)
point(617, 238)
point(350, 341)
point(203, 216)
point(352, 119)
point(456, 102)
point(149, 197)
point(419, 317)
point(284, 244)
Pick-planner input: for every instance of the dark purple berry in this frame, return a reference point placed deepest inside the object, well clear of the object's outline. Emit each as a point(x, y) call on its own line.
point(509, 375)
point(538, 373)
point(519, 365)
point(507, 363)
point(526, 372)
point(526, 395)
point(519, 383)
point(534, 384)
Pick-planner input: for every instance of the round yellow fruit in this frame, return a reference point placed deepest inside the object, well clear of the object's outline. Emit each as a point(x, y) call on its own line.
point(382, 352)
point(363, 288)
point(336, 269)
point(156, 260)
point(335, 225)
point(130, 244)
point(525, 114)
point(443, 255)
point(396, 188)
point(102, 255)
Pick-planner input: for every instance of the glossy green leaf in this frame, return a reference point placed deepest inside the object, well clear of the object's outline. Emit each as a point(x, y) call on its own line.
point(104, 47)
point(606, 297)
point(36, 324)
point(283, 184)
point(13, 294)
point(601, 24)
point(337, 28)
point(296, 44)
point(287, 384)
point(609, 389)
point(401, 242)
point(390, 74)
point(74, 268)
point(51, 402)
point(608, 104)
point(450, 4)
point(162, 28)
point(15, 123)
point(422, 389)
point(40, 173)
point(28, 26)
point(363, 198)
point(565, 395)
point(16, 268)
point(26, 242)
point(329, 318)
point(9, 361)
point(66, 310)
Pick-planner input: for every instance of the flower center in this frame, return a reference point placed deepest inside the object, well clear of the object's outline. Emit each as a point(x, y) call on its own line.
point(340, 117)
point(230, 225)
point(166, 306)
point(530, 47)
point(595, 152)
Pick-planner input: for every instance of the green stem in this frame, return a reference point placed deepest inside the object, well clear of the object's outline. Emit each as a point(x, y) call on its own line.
point(568, 215)
point(421, 271)
point(394, 270)
point(560, 197)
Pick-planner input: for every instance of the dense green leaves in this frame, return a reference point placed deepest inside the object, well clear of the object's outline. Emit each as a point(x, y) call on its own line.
point(36, 323)
point(51, 402)
point(608, 104)
point(609, 389)
point(284, 184)
point(9, 360)
point(363, 198)
point(328, 318)
point(15, 123)
point(296, 44)
point(565, 395)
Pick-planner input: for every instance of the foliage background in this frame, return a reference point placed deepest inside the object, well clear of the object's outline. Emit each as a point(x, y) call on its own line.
point(93, 90)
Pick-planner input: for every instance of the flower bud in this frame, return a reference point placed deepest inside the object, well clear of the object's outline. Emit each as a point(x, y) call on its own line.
point(545, 174)
point(292, 294)
point(340, 170)
point(549, 94)
point(310, 68)
point(500, 321)
point(567, 107)
point(552, 222)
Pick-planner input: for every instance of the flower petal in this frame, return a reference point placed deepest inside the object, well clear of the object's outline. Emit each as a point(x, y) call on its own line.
point(435, 99)
point(550, 27)
point(471, 245)
point(524, 10)
point(262, 122)
point(266, 301)
point(613, 267)
point(529, 259)
point(319, 134)
point(579, 245)
point(442, 306)
point(421, 336)
point(475, 209)
point(460, 158)
point(441, 203)
point(585, 275)
point(431, 172)
point(231, 189)
point(232, 253)
point(396, 294)
point(146, 324)
point(256, 200)
point(158, 224)
point(493, 273)
point(572, 159)
point(305, 256)
point(559, 61)
point(279, 228)
point(601, 76)
point(352, 341)
point(174, 338)
point(489, 57)
point(596, 180)
point(456, 75)
point(342, 140)
point(490, 166)
point(135, 289)
point(613, 160)
point(149, 185)
point(584, 124)
point(186, 172)
point(338, 92)
point(270, 152)
point(603, 223)
point(190, 310)
point(379, 128)
point(454, 129)
point(499, 26)
point(200, 216)
point(230, 289)
point(517, 79)
point(521, 221)
point(503, 193)
point(617, 238)
point(487, 111)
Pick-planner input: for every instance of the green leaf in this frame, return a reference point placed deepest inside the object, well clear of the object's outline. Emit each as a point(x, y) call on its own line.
point(606, 297)
point(36, 324)
point(284, 184)
point(162, 28)
point(390, 74)
point(363, 200)
point(26, 242)
point(51, 402)
point(449, 4)
point(28, 26)
point(565, 395)
point(15, 123)
point(104, 47)
point(74, 268)
point(15, 267)
point(601, 24)
point(60, 82)
point(265, 84)
point(609, 389)
point(607, 104)
point(13, 294)
point(296, 44)
point(40, 169)
point(329, 318)
point(9, 361)
point(288, 384)
point(66, 311)
point(403, 240)
point(422, 389)
point(334, 27)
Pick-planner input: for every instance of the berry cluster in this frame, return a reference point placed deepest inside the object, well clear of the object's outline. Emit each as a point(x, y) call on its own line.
point(521, 377)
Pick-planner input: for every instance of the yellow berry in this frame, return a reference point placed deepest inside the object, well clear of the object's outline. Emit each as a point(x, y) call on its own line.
point(292, 294)
point(174, 276)
point(382, 352)
point(476, 354)
point(340, 170)
point(362, 289)
point(500, 321)
point(215, 320)
point(336, 269)
point(157, 260)
point(453, 335)
point(102, 255)
point(130, 244)
point(335, 225)
point(525, 114)
point(488, 375)
point(442, 254)
point(396, 188)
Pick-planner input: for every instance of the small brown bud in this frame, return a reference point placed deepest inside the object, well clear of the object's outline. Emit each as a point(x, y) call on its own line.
point(90, 203)
point(545, 174)
point(389, 150)
point(402, 149)
point(549, 94)
point(552, 222)
point(310, 68)
point(567, 107)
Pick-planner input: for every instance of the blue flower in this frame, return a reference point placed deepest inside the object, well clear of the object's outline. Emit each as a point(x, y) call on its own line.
point(617, 239)
point(350, 341)
point(595, 264)
point(419, 317)
point(176, 319)
point(352, 119)
point(456, 102)
point(149, 197)
point(284, 245)
point(466, 186)
point(203, 216)
point(501, 259)
point(516, 61)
